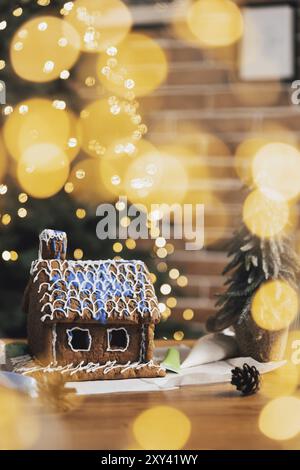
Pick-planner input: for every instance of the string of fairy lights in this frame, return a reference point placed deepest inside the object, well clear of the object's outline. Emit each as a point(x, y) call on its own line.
point(60, 143)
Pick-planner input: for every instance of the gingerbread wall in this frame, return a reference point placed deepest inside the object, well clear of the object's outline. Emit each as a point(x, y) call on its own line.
point(97, 352)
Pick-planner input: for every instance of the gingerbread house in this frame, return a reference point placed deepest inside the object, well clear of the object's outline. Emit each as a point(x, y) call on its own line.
point(90, 319)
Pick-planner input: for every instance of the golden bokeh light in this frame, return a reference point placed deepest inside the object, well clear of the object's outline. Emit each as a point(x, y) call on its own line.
point(170, 248)
point(244, 156)
point(171, 302)
point(174, 273)
point(131, 245)
point(3, 160)
point(280, 382)
point(3, 189)
point(141, 66)
point(265, 217)
point(72, 143)
point(14, 256)
point(80, 213)
point(162, 267)
point(269, 132)
point(28, 125)
point(125, 222)
point(22, 212)
point(182, 281)
point(166, 314)
point(78, 253)
point(101, 127)
point(69, 187)
point(88, 189)
point(277, 132)
point(6, 219)
point(216, 23)
point(196, 165)
point(43, 47)
point(179, 23)
point(276, 169)
point(156, 178)
point(6, 256)
point(161, 428)
point(23, 198)
point(161, 253)
point(280, 418)
point(160, 242)
point(274, 305)
point(100, 24)
point(118, 157)
point(117, 247)
point(178, 335)
point(19, 427)
point(42, 170)
point(85, 72)
point(165, 289)
point(17, 12)
point(188, 314)
point(192, 141)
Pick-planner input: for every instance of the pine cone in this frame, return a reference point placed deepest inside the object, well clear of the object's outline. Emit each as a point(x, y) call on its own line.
point(246, 379)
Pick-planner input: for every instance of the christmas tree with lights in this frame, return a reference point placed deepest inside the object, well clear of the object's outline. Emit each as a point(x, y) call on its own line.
point(73, 191)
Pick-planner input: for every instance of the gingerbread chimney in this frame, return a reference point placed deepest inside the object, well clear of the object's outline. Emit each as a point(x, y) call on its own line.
point(53, 245)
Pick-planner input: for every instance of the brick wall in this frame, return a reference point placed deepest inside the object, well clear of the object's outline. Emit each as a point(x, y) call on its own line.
point(202, 91)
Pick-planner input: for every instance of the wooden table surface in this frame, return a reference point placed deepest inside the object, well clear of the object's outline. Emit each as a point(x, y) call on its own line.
point(220, 419)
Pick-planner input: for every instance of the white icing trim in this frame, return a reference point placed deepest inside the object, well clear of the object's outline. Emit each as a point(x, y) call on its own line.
point(89, 368)
point(54, 338)
point(70, 337)
point(143, 343)
point(109, 348)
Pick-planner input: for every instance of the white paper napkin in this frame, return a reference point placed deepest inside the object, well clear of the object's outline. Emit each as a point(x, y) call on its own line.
point(18, 382)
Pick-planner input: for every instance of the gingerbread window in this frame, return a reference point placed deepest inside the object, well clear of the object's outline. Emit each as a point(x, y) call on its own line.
point(117, 339)
point(79, 339)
